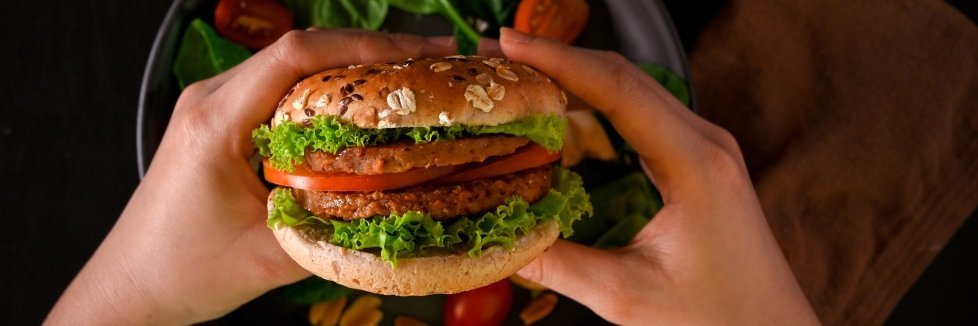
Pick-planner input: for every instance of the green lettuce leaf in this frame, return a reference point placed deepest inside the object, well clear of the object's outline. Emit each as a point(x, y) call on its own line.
point(288, 212)
point(286, 144)
point(408, 234)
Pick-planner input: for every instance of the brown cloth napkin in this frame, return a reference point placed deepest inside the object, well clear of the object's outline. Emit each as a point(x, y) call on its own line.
point(859, 123)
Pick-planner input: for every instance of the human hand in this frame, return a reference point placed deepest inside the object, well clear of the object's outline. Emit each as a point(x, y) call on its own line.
point(192, 244)
point(708, 256)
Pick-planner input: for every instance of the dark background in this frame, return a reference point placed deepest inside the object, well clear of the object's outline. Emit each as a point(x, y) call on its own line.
point(69, 81)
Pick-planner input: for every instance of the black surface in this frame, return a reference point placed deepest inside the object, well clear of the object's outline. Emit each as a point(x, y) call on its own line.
point(69, 78)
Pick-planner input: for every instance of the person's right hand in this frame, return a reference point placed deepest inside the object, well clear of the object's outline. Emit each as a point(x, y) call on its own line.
point(708, 257)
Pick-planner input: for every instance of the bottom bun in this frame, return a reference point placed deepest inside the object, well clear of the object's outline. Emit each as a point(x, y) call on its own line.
point(440, 274)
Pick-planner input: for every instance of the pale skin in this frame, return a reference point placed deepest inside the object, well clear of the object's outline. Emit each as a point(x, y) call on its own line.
point(192, 244)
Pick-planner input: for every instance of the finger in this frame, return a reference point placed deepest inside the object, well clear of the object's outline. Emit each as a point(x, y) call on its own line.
point(489, 47)
point(645, 117)
point(445, 41)
point(249, 97)
point(708, 129)
point(575, 270)
point(272, 264)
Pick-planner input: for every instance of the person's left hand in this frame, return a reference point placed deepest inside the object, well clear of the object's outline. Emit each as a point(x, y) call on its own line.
point(192, 243)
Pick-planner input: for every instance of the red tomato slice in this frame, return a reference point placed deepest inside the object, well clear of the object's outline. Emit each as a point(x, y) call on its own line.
point(530, 156)
point(561, 20)
point(487, 305)
point(303, 178)
point(252, 23)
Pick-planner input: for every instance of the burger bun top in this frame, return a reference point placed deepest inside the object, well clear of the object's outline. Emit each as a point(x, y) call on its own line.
point(428, 92)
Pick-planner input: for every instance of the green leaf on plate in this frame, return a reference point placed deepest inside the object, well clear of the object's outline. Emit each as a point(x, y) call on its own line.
point(420, 7)
point(203, 54)
point(616, 204)
point(313, 290)
point(365, 14)
point(669, 80)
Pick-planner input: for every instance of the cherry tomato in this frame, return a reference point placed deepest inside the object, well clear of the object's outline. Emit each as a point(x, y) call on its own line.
point(252, 23)
point(303, 178)
point(530, 156)
point(487, 305)
point(561, 20)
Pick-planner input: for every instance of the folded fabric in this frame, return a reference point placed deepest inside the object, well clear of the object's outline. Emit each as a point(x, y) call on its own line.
point(859, 124)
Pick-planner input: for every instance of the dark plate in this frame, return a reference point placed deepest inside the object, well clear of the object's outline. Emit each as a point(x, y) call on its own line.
point(641, 30)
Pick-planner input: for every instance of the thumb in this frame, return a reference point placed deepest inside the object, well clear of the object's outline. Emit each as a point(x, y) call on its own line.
point(575, 271)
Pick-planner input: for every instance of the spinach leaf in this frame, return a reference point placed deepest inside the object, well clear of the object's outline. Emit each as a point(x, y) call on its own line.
point(313, 290)
point(466, 45)
point(616, 205)
point(494, 12)
point(465, 35)
point(203, 54)
point(420, 7)
point(502, 9)
point(673, 83)
point(367, 14)
point(301, 11)
point(622, 233)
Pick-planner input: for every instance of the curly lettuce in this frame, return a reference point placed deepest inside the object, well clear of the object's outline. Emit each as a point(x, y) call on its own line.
point(286, 144)
point(409, 234)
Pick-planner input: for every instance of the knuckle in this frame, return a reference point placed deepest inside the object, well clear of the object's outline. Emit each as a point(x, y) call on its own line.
point(197, 90)
point(192, 120)
point(371, 46)
point(727, 140)
point(290, 43)
point(722, 155)
point(612, 56)
point(618, 58)
point(625, 81)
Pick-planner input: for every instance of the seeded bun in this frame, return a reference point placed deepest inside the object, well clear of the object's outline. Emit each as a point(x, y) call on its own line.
point(414, 276)
point(424, 93)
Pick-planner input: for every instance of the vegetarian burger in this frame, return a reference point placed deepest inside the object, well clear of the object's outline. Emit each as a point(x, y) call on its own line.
point(420, 177)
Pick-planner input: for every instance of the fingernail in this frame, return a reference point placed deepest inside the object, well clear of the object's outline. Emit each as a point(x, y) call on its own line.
point(489, 46)
point(510, 35)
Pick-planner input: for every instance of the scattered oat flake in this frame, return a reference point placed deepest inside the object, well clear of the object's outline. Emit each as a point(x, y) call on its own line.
point(483, 78)
point(491, 63)
point(477, 95)
point(529, 70)
point(323, 101)
point(300, 102)
point(496, 91)
point(440, 66)
point(507, 74)
point(402, 101)
point(443, 119)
